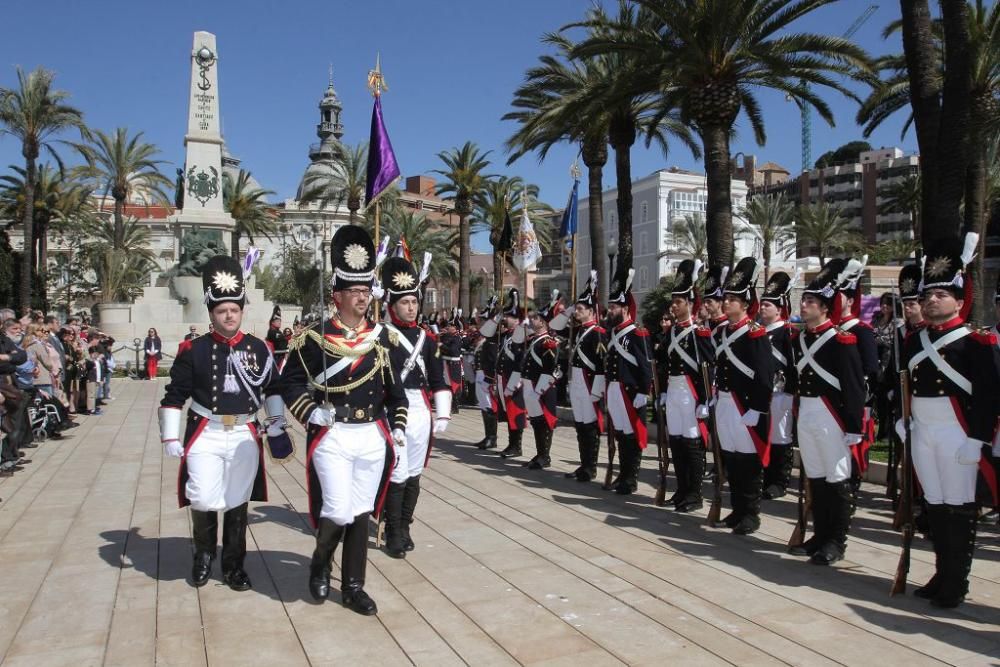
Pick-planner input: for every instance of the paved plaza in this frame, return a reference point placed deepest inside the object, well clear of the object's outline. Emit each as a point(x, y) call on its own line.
point(512, 567)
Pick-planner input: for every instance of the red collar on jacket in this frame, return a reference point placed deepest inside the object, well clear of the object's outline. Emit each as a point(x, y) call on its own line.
point(624, 324)
point(950, 324)
point(685, 324)
point(231, 342)
point(821, 328)
point(737, 325)
point(400, 324)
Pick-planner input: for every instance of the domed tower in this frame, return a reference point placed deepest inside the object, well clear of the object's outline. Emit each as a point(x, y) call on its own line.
point(323, 156)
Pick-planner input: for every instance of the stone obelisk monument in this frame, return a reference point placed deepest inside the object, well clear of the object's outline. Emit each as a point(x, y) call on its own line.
point(203, 207)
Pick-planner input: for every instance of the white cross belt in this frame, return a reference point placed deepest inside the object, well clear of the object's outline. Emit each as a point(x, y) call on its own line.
point(809, 352)
point(723, 349)
point(929, 350)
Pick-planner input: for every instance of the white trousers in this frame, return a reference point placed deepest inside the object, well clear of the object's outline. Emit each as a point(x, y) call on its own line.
point(531, 402)
point(483, 392)
point(411, 458)
point(349, 462)
point(821, 442)
point(937, 436)
point(617, 409)
point(579, 398)
point(221, 467)
point(682, 405)
point(733, 433)
point(782, 421)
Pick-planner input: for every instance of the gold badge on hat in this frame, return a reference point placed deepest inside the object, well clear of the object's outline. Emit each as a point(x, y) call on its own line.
point(225, 281)
point(356, 256)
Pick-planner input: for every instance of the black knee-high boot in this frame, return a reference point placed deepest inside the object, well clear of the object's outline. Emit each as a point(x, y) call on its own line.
point(410, 495)
point(234, 548)
point(937, 519)
point(778, 472)
point(679, 456)
point(752, 477)
point(961, 526)
point(543, 434)
point(328, 536)
point(581, 446)
point(730, 465)
point(819, 507)
point(840, 499)
point(490, 430)
point(591, 452)
point(205, 534)
point(394, 546)
point(693, 453)
point(631, 461)
point(514, 444)
point(353, 564)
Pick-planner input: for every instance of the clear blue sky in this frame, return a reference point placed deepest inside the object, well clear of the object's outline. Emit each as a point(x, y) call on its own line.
point(451, 67)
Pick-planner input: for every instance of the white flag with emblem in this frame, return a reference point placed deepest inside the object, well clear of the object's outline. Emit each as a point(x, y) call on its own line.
point(526, 252)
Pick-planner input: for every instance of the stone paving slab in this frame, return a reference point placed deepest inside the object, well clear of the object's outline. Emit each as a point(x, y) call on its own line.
point(512, 567)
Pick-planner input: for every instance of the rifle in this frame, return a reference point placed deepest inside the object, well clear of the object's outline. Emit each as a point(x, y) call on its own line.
point(715, 509)
point(804, 508)
point(904, 513)
point(662, 451)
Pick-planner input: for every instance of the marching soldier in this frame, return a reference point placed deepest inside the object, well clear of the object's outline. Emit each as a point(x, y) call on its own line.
point(451, 352)
point(275, 339)
point(629, 374)
point(775, 306)
point(712, 297)
point(226, 375)
point(509, 360)
point(485, 366)
point(744, 380)
point(339, 382)
point(831, 393)
point(685, 397)
point(538, 378)
point(850, 291)
point(954, 380)
point(587, 381)
point(418, 361)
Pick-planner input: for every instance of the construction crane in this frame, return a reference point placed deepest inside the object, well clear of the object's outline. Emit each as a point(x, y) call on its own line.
point(806, 110)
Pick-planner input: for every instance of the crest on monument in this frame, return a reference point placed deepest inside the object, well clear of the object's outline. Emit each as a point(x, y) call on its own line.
point(201, 185)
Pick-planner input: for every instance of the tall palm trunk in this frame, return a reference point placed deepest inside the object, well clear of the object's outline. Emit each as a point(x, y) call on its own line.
point(352, 209)
point(718, 210)
point(622, 136)
point(976, 209)
point(595, 155)
point(462, 208)
point(28, 222)
point(119, 220)
point(234, 244)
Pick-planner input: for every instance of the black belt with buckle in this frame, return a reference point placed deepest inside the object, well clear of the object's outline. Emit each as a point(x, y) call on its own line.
point(348, 414)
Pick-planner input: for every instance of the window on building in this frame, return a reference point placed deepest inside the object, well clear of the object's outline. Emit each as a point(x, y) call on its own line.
point(643, 243)
point(643, 278)
point(445, 298)
point(432, 299)
point(644, 214)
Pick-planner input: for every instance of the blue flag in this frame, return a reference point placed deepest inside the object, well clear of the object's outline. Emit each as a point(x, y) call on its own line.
point(569, 219)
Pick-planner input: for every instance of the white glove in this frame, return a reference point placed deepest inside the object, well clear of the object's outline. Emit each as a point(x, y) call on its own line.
point(851, 439)
point(276, 427)
point(970, 452)
point(399, 437)
point(901, 429)
point(663, 400)
point(598, 387)
point(639, 401)
point(173, 448)
point(750, 418)
point(702, 412)
point(440, 425)
point(543, 384)
point(321, 417)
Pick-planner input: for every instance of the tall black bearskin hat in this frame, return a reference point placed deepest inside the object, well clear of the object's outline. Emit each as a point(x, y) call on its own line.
point(824, 286)
point(621, 290)
point(352, 255)
point(686, 280)
point(223, 282)
point(399, 279)
point(849, 282)
point(742, 282)
point(909, 282)
point(945, 268)
point(276, 313)
point(589, 297)
point(778, 291)
point(554, 312)
point(716, 278)
point(513, 307)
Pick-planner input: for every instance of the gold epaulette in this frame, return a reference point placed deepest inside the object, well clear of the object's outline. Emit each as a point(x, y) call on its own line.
point(393, 336)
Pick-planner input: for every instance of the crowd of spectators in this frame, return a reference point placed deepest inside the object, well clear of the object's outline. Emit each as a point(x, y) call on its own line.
point(49, 373)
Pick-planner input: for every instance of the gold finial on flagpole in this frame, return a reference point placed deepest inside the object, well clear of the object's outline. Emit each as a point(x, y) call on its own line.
point(574, 170)
point(376, 82)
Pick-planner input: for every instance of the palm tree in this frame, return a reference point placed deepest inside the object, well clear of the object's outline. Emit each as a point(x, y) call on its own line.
point(903, 197)
point(121, 272)
point(770, 220)
point(688, 238)
point(252, 214)
point(126, 168)
point(346, 185)
point(57, 199)
point(422, 236)
point(707, 57)
point(822, 228)
point(465, 180)
point(34, 113)
point(501, 198)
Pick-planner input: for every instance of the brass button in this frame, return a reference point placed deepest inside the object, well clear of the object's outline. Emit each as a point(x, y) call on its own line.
point(359, 413)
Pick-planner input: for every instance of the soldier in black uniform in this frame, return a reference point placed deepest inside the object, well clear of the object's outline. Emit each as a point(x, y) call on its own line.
point(418, 361)
point(711, 297)
point(339, 382)
point(225, 375)
point(744, 381)
point(540, 365)
point(630, 374)
point(485, 367)
point(275, 339)
point(684, 396)
point(509, 359)
point(587, 381)
point(774, 310)
point(450, 344)
point(831, 395)
point(955, 402)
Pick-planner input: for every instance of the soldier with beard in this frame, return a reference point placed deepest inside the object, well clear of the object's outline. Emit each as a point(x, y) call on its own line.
point(587, 380)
